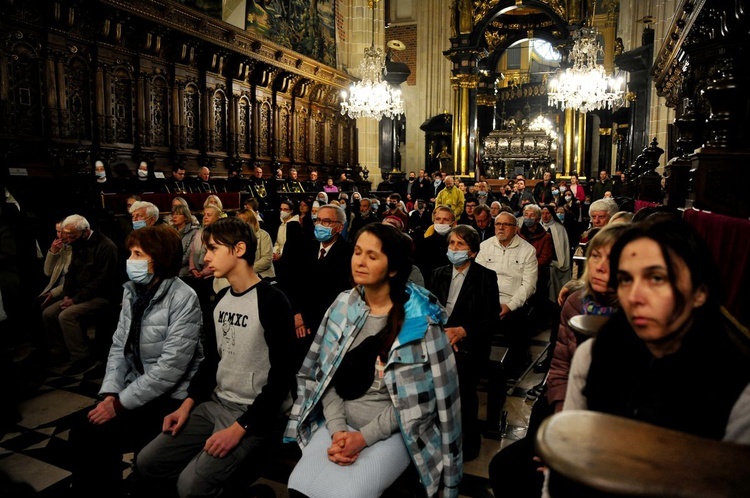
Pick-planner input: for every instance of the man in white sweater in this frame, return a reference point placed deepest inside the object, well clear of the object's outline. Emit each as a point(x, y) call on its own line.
point(514, 261)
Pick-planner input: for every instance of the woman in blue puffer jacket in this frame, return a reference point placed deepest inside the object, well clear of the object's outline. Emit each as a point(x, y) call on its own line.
point(155, 352)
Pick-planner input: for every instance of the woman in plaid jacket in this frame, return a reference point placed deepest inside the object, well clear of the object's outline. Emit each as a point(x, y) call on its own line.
point(378, 388)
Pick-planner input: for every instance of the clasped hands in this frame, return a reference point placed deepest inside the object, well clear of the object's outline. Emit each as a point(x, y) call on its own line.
point(345, 447)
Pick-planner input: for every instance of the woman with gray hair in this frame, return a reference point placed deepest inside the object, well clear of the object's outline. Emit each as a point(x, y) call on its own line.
point(181, 220)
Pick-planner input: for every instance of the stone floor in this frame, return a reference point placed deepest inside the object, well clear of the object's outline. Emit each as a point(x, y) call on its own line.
point(35, 449)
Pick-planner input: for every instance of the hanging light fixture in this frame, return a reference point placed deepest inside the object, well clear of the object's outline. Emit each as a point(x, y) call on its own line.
point(372, 97)
point(585, 86)
point(542, 123)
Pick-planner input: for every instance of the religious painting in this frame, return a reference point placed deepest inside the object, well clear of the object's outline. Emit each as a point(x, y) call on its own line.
point(305, 26)
point(209, 7)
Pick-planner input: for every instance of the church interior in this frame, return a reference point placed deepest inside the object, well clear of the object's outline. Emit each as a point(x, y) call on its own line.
point(477, 89)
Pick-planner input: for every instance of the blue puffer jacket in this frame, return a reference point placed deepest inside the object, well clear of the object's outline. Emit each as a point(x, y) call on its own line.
point(170, 346)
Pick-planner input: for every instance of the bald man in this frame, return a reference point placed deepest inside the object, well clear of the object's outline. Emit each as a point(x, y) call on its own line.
point(203, 181)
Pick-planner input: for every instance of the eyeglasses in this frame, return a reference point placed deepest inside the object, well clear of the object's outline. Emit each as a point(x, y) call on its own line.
point(505, 225)
point(326, 223)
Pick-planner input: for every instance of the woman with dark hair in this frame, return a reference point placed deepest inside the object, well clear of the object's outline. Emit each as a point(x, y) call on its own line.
point(155, 352)
point(668, 342)
point(305, 220)
point(378, 387)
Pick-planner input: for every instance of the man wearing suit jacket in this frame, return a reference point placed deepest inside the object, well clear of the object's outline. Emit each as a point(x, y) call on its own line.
point(470, 295)
point(323, 273)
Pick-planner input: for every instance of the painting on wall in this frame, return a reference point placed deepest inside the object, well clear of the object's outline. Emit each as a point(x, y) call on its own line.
point(209, 7)
point(305, 26)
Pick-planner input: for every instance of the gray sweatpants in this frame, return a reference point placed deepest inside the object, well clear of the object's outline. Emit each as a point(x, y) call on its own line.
point(182, 456)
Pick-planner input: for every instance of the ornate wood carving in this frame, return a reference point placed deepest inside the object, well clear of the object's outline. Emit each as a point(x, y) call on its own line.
point(220, 121)
point(192, 114)
point(153, 79)
point(244, 125)
point(701, 70)
point(159, 116)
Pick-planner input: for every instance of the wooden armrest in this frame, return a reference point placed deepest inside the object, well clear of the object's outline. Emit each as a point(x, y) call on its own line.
point(587, 325)
point(621, 456)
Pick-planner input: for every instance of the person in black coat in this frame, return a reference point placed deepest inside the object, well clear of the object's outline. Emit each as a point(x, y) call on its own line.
point(322, 271)
point(423, 187)
point(473, 306)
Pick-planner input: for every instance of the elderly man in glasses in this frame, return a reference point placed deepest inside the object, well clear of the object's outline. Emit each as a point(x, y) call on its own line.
point(323, 272)
point(514, 261)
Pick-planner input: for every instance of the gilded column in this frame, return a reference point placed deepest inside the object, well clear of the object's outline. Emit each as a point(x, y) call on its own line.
point(581, 140)
point(569, 135)
point(464, 156)
point(456, 122)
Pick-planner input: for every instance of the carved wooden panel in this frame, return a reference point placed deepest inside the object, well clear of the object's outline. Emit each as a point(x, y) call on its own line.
point(76, 116)
point(191, 110)
point(284, 129)
point(302, 126)
point(334, 147)
point(265, 126)
point(159, 112)
point(219, 121)
point(111, 78)
point(317, 154)
point(23, 106)
point(244, 125)
point(121, 106)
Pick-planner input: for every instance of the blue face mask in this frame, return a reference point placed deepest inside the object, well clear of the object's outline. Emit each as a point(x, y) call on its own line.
point(139, 224)
point(323, 234)
point(555, 192)
point(138, 271)
point(561, 216)
point(481, 193)
point(529, 222)
point(458, 258)
point(374, 208)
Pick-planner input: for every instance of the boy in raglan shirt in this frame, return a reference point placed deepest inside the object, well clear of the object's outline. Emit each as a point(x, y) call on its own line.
point(242, 387)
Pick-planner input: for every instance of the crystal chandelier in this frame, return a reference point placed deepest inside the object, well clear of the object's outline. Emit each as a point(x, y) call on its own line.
point(585, 87)
point(372, 97)
point(541, 123)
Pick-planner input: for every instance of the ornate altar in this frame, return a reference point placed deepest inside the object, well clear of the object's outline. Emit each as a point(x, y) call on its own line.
point(521, 146)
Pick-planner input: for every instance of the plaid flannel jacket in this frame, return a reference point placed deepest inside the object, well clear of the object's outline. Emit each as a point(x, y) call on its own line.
point(420, 375)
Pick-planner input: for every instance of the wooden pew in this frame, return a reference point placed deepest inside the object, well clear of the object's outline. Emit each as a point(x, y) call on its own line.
point(615, 456)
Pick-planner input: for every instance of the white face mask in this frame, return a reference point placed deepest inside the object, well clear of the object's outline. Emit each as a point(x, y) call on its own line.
point(442, 228)
point(142, 173)
point(285, 215)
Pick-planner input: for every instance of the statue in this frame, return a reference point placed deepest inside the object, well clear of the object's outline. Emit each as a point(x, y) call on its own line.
point(466, 16)
point(445, 160)
point(454, 33)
